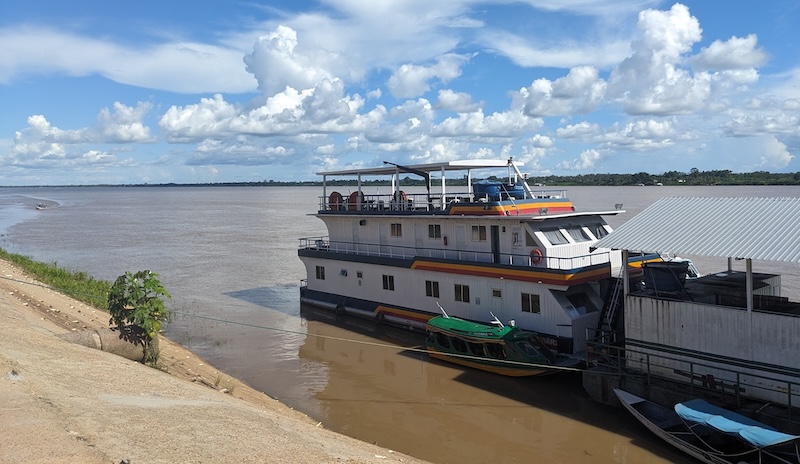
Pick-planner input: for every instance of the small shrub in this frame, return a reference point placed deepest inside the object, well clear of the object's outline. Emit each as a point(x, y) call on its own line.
point(136, 307)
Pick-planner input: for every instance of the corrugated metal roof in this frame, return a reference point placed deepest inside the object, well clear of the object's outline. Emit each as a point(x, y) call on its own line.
point(757, 228)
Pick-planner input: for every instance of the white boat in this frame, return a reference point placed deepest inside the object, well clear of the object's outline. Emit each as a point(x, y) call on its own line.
point(500, 246)
point(712, 434)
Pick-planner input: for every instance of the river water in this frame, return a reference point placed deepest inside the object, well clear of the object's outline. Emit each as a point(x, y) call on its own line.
point(228, 256)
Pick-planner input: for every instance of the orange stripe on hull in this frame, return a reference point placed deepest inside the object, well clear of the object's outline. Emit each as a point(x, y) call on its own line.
point(402, 313)
point(512, 209)
point(515, 274)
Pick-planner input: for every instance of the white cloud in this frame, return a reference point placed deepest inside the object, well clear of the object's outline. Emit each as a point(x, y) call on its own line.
point(773, 154)
point(643, 135)
point(497, 125)
point(124, 124)
point(541, 141)
point(412, 80)
point(322, 109)
point(650, 81)
point(278, 63)
point(748, 154)
point(207, 118)
point(733, 54)
point(40, 129)
point(239, 151)
point(580, 130)
point(528, 53)
point(588, 160)
point(459, 102)
point(580, 91)
point(178, 66)
point(762, 120)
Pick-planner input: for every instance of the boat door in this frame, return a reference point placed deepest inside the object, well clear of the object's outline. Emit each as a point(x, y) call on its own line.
point(495, 238)
point(419, 234)
point(356, 239)
point(383, 229)
point(461, 240)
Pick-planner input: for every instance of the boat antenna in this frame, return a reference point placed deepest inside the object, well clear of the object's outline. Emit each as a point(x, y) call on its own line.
point(496, 321)
point(444, 313)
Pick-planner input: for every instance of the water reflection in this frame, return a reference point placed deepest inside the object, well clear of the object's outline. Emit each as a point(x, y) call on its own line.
point(382, 388)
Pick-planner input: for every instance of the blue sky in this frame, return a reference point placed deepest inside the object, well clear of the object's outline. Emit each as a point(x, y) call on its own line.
point(208, 91)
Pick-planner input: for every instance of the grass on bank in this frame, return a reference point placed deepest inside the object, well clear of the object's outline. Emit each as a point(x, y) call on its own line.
point(78, 285)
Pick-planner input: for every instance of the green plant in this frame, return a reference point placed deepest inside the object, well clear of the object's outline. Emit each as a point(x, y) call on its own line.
point(78, 285)
point(136, 306)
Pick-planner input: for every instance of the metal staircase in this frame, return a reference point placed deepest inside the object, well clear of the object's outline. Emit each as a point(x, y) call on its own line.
point(609, 327)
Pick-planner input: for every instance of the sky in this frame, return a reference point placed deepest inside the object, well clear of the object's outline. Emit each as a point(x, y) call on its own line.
point(194, 91)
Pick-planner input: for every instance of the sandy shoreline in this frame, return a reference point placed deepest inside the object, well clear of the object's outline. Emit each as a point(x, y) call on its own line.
point(67, 403)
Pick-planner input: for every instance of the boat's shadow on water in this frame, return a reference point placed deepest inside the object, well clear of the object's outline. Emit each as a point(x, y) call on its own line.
point(282, 298)
point(385, 333)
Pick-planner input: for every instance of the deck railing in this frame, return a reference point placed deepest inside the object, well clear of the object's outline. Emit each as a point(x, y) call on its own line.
point(712, 375)
point(354, 202)
point(322, 243)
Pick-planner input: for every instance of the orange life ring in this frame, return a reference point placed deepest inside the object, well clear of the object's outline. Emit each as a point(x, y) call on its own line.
point(536, 256)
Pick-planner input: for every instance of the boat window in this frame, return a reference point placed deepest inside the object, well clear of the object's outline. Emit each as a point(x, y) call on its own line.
point(478, 233)
point(578, 234)
point(527, 348)
point(495, 350)
point(530, 303)
point(320, 273)
point(359, 274)
point(459, 345)
point(598, 230)
point(529, 240)
point(388, 282)
point(515, 240)
point(432, 288)
point(442, 340)
point(462, 293)
point(434, 231)
point(476, 349)
point(554, 236)
point(497, 293)
point(397, 229)
point(581, 303)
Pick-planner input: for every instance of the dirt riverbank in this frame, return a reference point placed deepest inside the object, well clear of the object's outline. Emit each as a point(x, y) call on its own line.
point(62, 402)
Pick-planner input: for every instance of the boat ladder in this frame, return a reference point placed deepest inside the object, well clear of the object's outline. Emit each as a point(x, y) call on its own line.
point(607, 325)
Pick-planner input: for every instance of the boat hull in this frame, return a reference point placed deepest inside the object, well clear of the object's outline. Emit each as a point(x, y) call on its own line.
point(507, 369)
point(699, 441)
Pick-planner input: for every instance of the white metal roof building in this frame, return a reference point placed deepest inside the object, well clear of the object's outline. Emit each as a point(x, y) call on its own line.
point(753, 228)
point(738, 330)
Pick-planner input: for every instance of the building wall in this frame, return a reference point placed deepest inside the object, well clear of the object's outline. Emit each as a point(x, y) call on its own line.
point(704, 329)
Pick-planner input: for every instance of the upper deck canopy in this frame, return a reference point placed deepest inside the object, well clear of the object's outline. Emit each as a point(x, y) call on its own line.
point(389, 168)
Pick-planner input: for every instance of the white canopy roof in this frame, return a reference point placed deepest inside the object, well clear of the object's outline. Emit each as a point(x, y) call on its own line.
point(391, 168)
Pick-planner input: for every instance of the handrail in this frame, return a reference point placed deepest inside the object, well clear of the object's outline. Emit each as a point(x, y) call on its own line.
point(421, 202)
point(741, 382)
point(323, 243)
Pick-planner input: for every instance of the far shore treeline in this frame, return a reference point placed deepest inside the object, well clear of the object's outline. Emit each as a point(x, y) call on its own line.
point(693, 177)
